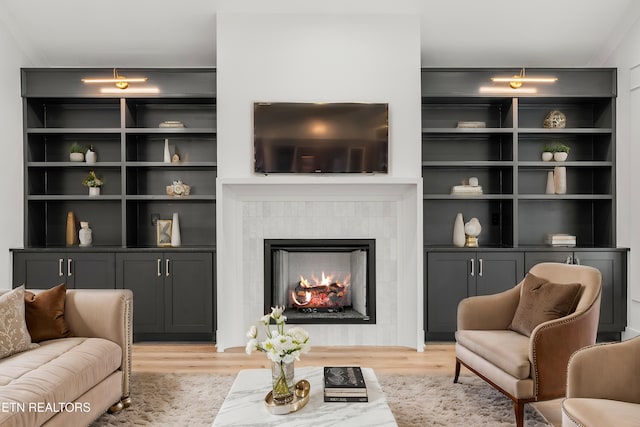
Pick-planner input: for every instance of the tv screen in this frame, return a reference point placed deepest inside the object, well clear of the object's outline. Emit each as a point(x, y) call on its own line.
point(291, 137)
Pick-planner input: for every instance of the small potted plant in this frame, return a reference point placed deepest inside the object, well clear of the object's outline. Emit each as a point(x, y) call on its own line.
point(560, 152)
point(547, 153)
point(76, 152)
point(93, 183)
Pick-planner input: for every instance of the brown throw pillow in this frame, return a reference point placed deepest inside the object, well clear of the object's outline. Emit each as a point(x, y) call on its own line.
point(541, 301)
point(45, 314)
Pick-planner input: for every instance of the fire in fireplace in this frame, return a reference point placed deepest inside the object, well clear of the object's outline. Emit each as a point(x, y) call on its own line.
point(321, 280)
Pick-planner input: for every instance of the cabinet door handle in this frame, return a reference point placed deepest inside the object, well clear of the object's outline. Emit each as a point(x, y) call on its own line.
point(69, 272)
point(480, 267)
point(569, 260)
point(167, 267)
point(473, 270)
point(159, 267)
point(60, 273)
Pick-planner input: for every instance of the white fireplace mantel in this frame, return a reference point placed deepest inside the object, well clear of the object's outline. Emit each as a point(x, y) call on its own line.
point(325, 206)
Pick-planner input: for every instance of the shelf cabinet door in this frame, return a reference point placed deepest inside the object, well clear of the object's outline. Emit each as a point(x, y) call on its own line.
point(612, 266)
point(143, 273)
point(448, 282)
point(91, 270)
point(497, 272)
point(188, 292)
point(39, 270)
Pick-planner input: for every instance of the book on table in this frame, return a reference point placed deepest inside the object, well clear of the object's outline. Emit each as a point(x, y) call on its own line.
point(344, 384)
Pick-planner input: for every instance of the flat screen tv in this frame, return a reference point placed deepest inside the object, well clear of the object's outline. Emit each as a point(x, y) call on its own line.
point(293, 137)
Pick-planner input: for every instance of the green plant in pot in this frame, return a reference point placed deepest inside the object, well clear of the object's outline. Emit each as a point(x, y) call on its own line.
point(93, 182)
point(76, 152)
point(547, 153)
point(560, 152)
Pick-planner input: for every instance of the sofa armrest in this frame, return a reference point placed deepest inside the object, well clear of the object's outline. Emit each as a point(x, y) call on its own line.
point(606, 371)
point(103, 313)
point(488, 312)
point(552, 344)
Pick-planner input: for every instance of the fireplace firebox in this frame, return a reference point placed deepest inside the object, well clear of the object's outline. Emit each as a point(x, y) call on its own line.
point(321, 280)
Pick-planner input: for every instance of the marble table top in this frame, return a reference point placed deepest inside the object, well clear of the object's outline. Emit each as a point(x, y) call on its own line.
point(244, 405)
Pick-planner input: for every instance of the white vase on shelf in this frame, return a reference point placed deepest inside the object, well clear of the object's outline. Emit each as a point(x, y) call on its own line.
point(90, 156)
point(560, 179)
point(175, 231)
point(85, 234)
point(458, 231)
point(94, 191)
point(551, 186)
point(167, 153)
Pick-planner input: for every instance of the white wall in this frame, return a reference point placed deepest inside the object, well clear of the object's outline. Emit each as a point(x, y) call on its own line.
point(320, 57)
point(11, 172)
point(626, 57)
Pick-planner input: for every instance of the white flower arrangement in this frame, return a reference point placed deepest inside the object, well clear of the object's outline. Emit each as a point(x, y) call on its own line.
point(280, 345)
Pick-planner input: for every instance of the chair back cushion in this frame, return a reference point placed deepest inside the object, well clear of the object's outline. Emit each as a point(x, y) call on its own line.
point(541, 301)
point(589, 277)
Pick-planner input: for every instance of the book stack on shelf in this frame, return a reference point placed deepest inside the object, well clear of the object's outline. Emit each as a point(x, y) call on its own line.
point(344, 384)
point(560, 240)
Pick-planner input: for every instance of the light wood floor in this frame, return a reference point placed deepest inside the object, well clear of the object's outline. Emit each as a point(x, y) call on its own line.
point(437, 359)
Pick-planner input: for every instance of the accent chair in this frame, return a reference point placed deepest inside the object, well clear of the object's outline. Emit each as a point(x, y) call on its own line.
point(520, 340)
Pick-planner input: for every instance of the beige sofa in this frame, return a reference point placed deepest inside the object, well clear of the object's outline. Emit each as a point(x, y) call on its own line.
point(603, 386)
point(72, 381)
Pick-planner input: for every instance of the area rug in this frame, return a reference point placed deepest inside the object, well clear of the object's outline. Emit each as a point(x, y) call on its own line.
point(416, 401)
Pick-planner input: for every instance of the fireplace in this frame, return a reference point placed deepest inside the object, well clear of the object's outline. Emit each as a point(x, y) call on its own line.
point(321, 280)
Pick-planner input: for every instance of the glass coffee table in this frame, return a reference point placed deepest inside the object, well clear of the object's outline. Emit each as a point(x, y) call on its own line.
point(244, 405)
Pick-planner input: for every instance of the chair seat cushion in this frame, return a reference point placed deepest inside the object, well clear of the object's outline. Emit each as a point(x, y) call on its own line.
point(601, 412)
point(508, 350)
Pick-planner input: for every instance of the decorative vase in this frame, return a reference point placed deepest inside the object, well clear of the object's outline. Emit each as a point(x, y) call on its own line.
point(560, 179)
point(85, 234)
point(472, 229)
point(551, 186)
point(72, 235)
point(458, 231)
point(167, 153)
point(94, 191)
point(547, 156)
point(560, 156)
point(90, 156)
point(175, 231)
point(282, 374)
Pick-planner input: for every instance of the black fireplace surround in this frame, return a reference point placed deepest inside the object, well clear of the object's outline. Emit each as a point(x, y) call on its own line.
point(294, 276)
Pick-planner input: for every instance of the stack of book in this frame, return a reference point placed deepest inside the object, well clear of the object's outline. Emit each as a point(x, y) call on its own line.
point(171, 124)
point(466, 190)
point(560, 240)
point(344, 384)
point(471, 125)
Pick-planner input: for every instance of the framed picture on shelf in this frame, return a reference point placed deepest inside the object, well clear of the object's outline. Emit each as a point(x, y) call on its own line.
point(163, 232)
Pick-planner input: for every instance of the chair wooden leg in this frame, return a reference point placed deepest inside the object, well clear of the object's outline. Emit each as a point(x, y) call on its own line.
point(455, 378)
point(519, 410)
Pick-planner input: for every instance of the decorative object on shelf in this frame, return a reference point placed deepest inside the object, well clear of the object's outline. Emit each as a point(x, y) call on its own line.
point(547, 156)
point(472, 229)
point(171, 124)
point(178, 189)
point(283, 347)
point(468, 187)
point(458, 231)
point(471, 125)
point(558, 151)
point(560, 239)
point(555, 120)
point(551, 186)
point(76, 152)
point(175, 231)
point(72, 235)
point(175, 158)
point(91, 156)
point(93, 182)
point(560, 179)
point(85, 234)
point(163, 233)
point(167, 153)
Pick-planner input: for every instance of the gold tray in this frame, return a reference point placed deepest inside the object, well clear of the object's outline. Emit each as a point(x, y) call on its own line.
point(300, 399)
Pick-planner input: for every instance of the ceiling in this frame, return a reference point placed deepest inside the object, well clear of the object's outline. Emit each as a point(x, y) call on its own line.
point(457, 33)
